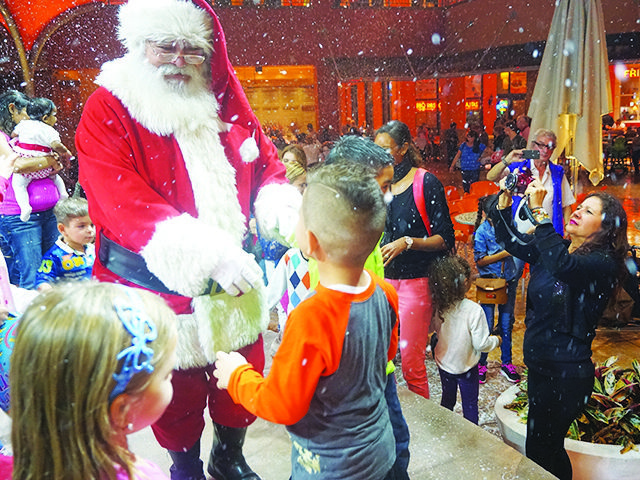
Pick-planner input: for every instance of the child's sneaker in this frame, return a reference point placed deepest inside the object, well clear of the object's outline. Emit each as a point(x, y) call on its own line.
point(482, 373)
point(509, 371)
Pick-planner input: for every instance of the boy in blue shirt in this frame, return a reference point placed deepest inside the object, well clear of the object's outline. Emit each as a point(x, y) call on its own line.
point(72, 256)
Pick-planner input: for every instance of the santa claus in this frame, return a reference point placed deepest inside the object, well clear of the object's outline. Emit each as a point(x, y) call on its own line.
point(172, 160)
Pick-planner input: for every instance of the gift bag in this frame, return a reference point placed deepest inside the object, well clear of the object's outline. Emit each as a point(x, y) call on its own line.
point(491, 290)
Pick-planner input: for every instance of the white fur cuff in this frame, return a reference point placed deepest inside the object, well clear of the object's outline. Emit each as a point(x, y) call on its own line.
point(183, 252)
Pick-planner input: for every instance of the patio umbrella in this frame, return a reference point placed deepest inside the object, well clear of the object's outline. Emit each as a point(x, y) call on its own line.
point(572, 90)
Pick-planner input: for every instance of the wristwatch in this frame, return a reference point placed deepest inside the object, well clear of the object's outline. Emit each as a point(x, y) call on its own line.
point(408, 241)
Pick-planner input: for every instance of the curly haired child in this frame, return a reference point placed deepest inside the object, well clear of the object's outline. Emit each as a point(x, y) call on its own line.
point(462, 332)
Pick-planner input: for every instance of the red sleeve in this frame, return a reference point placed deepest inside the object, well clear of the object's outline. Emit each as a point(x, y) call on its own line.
point(123, 200)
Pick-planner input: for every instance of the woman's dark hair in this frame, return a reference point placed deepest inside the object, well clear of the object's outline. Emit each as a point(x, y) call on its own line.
point(476, 140)
point(39, 107)
point(483, 207)
point(448, 281)
point(360, 150)
point(19, 99)
point(612, 236)
point(401, 134)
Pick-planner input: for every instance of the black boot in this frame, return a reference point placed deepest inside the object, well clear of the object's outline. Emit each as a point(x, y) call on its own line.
point(226, 461)
point(187, 465)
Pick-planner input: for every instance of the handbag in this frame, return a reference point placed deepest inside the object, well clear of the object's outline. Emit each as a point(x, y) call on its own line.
point(492, 290)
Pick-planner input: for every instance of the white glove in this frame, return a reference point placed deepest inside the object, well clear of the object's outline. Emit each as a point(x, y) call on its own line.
point(277, 209)
point(237, 272)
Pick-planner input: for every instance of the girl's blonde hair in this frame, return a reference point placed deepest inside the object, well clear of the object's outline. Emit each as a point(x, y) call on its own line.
point(449, 281)
point(62, 374)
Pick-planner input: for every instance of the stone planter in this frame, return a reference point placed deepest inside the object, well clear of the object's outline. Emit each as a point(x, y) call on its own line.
point(589, 461)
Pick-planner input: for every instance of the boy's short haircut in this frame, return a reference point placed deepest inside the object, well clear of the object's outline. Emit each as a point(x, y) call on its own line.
point(68, 208)
point(360, 150)
point(344, 207)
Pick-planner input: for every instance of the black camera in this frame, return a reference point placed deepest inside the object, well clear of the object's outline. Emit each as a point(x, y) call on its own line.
point(517, 182)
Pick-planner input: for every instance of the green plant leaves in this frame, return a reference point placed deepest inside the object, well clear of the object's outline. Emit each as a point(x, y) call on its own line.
point(612, 414)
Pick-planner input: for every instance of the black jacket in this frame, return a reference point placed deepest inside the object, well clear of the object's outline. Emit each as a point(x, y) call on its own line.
point(566, 297)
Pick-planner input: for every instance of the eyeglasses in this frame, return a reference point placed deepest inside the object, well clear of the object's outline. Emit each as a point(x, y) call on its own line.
point(168, 54)
point(548, 146)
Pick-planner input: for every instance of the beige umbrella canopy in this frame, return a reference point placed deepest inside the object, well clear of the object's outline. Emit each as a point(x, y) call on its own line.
point(572, 91)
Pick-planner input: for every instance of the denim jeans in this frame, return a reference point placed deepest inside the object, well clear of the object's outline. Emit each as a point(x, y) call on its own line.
point(400, 429)
point(28, 241)
point(469, 177)
point(469, 390)
point(505, 322)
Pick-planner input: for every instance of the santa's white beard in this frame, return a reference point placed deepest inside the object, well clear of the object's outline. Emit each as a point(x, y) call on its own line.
point(163, 106)
point(176, 101)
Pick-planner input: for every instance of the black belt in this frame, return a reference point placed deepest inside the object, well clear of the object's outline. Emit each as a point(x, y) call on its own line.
point(132, 267)
point(129, 265)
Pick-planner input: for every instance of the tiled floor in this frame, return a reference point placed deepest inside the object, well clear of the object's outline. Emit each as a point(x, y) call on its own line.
point(442, 447)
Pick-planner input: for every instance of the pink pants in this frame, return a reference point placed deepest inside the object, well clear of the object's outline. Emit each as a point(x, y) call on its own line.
point(415, 312)
point(182, 423)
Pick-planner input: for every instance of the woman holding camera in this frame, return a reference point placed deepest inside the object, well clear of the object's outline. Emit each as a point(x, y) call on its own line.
point(538, 160)
point(570, 285)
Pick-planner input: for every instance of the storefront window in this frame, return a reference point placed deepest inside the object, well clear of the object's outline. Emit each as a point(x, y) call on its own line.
point(428, 105)
point(283, 96)
point(630, 92)
point(473, 99)
point(511, 92)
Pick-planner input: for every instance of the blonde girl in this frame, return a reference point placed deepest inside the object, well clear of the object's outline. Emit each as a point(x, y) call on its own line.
point(92, 363)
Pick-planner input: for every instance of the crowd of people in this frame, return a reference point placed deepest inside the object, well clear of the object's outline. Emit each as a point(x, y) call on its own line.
point(205, 222)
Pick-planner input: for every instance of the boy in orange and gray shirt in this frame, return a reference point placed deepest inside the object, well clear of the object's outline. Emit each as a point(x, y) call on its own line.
point(327, 379)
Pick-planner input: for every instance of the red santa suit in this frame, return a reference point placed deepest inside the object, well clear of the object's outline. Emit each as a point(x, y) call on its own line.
point(179, 193)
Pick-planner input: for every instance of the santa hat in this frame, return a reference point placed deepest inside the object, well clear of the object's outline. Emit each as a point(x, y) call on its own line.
point(164, 20)
point(196, 22)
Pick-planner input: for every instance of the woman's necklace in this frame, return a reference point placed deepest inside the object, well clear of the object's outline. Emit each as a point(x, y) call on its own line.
point(401, 176)
point(399, 187)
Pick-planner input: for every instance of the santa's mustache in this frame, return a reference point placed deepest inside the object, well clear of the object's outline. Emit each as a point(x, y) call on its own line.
point(171, 69)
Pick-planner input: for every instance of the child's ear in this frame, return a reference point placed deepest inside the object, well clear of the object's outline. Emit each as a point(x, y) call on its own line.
point(119, 411)
point(315, 249)
point(61, 228)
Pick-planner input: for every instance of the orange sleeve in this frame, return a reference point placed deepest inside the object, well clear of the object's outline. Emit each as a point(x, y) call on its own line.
point(311, 347)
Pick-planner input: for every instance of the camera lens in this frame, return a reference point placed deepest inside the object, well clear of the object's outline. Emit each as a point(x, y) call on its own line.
point(511, 181)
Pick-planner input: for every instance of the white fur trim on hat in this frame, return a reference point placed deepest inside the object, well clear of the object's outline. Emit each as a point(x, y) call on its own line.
point(164, 20)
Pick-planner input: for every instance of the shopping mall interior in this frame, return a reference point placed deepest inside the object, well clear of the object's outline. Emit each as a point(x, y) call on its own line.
point(360, 63)
point(331, 62)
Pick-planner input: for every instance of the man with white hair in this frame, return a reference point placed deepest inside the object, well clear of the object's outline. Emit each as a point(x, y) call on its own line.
point(172, 159)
